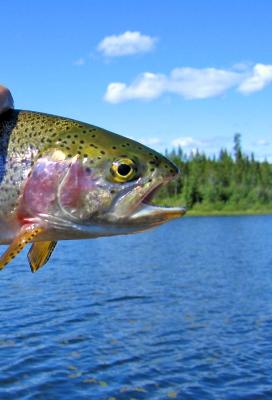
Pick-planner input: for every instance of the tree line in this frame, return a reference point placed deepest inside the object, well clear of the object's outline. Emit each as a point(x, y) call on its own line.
point(230, 181)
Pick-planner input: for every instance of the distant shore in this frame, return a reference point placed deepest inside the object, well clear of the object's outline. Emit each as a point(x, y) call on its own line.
point(229, 183)
point(199, 213)
point(203, 210)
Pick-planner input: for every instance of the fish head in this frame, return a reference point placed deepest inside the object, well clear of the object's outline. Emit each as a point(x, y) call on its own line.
point(98, 183)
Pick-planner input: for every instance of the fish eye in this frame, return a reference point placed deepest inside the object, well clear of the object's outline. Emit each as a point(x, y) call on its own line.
point(123, 170)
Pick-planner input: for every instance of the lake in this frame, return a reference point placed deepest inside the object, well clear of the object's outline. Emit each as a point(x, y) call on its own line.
point(184, 311)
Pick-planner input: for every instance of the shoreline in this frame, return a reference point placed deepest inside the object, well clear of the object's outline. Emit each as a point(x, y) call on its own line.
point(226, 213)
point(210, 210)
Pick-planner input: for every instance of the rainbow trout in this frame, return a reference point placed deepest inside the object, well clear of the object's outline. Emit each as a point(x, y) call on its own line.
point(63, 179)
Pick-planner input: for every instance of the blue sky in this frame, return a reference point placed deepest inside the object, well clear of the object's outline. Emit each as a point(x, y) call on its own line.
point(163, 72)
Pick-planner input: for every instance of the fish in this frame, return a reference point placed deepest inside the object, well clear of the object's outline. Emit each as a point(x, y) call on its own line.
point(63, 179)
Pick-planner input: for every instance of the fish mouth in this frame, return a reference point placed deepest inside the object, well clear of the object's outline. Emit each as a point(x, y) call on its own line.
point(149, 214)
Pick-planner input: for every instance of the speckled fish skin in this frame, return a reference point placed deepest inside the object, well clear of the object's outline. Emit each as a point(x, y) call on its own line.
point(58, 173)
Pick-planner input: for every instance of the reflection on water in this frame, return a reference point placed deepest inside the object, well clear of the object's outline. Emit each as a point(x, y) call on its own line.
point(184, 312)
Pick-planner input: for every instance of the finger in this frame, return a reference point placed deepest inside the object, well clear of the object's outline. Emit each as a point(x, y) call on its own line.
point(6, 100)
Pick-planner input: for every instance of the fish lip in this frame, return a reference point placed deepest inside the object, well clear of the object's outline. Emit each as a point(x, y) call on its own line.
point(156, 215)
point(153, 215)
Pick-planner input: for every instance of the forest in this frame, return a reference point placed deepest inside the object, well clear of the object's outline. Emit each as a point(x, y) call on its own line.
point(229, 183)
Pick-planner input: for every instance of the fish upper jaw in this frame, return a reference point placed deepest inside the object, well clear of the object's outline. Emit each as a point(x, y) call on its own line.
point(129, 199)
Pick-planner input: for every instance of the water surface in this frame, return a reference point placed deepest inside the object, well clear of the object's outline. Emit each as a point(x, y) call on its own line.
point(184, 311)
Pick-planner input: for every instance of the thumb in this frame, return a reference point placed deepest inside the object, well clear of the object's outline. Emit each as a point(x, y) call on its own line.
point(6, 100)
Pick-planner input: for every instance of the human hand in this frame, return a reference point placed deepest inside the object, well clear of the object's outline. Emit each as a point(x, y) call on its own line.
point(6, 100)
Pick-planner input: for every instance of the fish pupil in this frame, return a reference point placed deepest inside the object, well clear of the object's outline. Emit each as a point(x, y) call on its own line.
point(124, 169)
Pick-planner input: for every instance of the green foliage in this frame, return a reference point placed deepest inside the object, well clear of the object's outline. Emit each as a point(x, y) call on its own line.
point(224, 183)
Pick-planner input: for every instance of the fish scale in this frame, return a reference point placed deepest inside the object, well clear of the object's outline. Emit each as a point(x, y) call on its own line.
point(23, 136)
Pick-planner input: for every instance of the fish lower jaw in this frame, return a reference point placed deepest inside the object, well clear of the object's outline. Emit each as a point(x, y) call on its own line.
point(155, 215)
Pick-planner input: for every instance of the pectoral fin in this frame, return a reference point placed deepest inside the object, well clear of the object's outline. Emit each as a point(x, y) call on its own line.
point(26, 235)
point(40, 253)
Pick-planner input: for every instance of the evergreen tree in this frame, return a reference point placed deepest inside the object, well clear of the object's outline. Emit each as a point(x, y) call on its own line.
point(237, 182)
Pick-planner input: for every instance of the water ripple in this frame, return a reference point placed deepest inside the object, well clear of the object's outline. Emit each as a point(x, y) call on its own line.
point(183, 312)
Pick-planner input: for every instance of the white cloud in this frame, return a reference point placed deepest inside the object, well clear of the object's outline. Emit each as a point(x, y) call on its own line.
point(126, 43)
point(186, 141)
point(151, 141)
point(262, 142)
point(191, 83)
point(80, 61)
point(260, 77)
point(147, 86)
point(210, 146)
